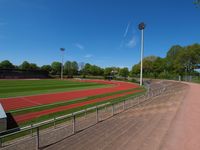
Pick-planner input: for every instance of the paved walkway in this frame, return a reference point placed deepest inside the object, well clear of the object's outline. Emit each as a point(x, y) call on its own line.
point(184, 133)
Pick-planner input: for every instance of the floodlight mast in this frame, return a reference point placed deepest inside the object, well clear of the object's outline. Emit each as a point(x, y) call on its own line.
point(141, 27)
point(62, 51)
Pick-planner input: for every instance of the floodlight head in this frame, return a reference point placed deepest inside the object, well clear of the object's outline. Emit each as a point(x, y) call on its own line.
point(62, 49)
point(141, 26)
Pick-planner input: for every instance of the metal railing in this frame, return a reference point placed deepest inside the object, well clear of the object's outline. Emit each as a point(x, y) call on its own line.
point(48, 132)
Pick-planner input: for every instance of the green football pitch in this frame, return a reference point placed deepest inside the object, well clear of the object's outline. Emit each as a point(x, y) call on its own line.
point(15, 88)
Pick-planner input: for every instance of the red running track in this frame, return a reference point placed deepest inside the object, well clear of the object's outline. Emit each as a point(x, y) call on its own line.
point(33, 115)
point(30, 101)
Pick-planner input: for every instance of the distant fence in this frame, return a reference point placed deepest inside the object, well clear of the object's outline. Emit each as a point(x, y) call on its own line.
point(21, 74)
point(51, 131)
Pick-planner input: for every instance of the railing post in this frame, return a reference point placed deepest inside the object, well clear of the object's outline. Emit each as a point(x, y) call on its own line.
point(37, 138)
point(1, 142)
point(31, 129)
point(85, 113)
point(97, 115)
point(123, 105)
point(54, 122)
point(74, 123)
point(113, 109)
point(138, 101)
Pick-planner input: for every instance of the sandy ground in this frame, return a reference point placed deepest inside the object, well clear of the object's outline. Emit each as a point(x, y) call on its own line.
point(168, 122)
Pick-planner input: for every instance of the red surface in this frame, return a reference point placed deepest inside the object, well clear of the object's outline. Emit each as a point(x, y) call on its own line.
point(30, 101)
point(183, 133)
point(33, 115)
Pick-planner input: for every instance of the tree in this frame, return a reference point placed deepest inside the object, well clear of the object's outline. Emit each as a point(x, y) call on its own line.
point(174, 51)
point(56, 68)
point(124, 72)
point(74, 67)
point(187, 59)
point(135, 70)
point(71, 68)
point(46, 68)
point(25, 65)
point(86, 69)
point(6, 65)
point(108, 71)
point(81, 66)
point(33, 66)
point(68, 68)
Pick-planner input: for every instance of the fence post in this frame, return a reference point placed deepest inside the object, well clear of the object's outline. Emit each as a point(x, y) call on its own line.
point(97, 115)
point(74, 123)
point(37, 138)
point(112, 109)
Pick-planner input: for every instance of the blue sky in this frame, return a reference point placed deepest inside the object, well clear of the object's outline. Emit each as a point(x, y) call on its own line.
point(101, 32)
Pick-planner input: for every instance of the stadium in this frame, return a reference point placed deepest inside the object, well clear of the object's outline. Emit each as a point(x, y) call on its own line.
point(99, 75)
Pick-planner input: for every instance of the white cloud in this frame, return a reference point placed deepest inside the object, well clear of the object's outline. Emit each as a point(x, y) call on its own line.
point(88, 56)
point(132, 42)
point(80, 46)
point(126, 31)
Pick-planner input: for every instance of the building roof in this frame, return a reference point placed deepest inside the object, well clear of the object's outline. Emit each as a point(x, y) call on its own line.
point(2, 112)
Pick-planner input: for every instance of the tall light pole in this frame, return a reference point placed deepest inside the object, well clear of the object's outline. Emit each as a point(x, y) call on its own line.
point(62, 51)
point(141, 27)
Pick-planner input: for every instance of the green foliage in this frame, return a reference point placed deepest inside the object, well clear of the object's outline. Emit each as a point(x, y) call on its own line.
point(46, 68)
point(56, 68)
point(33, 66)
point(25, 65)
point(178, 61)
point(94, 70)
point(6, 65)
point(107, 71)
point(28, 66)
point(124, 72)
point(71, 68)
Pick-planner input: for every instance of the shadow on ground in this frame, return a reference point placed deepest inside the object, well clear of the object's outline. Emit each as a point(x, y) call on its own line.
point(12, 125)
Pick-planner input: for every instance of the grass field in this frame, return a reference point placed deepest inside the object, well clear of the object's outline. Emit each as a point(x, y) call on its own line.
point(14, 88)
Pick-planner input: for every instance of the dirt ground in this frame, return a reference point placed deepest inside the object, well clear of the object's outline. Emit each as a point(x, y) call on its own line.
point(170, 122)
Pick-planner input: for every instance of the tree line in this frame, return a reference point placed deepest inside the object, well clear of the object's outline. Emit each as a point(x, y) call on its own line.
point(70, 69)
point(179, 61)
